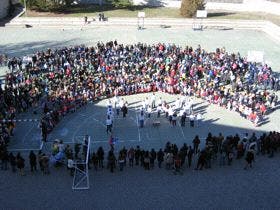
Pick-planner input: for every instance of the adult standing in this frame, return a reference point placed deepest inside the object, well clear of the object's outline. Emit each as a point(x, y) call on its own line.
point(13, 162)
point(109, 124)
point(196, 142)
point(130, 155)
point(111, 161)
point(124, 110)
point(5, 159)
point(160, 157)
point(20, 164)
point(141, 119)
point(190, 156)
point(192, 117)
point(183, 119)
point(32, 161)
point(249, 159)
point(100, 156)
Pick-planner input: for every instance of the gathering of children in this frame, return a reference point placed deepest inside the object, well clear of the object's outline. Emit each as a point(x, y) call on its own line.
point(62, 80)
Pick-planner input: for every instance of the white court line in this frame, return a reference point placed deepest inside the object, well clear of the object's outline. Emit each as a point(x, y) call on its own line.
point(139, 136)
point(99, 122)
point(134, 120)
point(182, 132)
point(74, 134)
point(19, 150)
point(121, 141)
point(28, 132)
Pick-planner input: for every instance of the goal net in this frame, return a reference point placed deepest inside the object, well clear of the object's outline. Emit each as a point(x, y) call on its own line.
point(81, 177)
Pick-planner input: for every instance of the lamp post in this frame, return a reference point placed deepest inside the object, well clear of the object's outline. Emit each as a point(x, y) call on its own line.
point(25, 8)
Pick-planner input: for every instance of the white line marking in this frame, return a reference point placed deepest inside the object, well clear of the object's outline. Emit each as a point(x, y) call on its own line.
point(74, 134)
point(28, 132)
point(99, 122)
point(139, 136)
point(136, 122)
point(121, 141)
point(182, 132)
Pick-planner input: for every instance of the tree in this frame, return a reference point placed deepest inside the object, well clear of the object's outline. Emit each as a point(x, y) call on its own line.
point(189, 7)
point(47, 5)
point(120, 3)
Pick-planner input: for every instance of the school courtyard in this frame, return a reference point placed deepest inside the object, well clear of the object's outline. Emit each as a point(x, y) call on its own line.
point(228, 187)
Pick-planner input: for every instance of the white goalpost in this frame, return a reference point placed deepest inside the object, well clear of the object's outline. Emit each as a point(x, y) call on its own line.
point(81, 176)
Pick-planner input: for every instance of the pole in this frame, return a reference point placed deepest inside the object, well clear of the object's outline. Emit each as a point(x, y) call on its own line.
point(25, 8)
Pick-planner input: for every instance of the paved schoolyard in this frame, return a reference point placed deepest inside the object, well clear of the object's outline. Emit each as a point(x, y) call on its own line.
point(90, 120)
point(21, 41)
point(218, 188)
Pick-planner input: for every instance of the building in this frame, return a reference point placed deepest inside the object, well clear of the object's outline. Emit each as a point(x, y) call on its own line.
point(4, 8)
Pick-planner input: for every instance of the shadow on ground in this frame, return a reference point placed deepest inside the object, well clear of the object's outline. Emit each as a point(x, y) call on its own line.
point(24, 48)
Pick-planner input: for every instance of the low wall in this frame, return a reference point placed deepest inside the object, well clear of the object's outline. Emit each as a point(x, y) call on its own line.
point(4, 8)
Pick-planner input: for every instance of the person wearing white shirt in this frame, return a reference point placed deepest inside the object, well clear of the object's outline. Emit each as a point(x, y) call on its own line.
point(159, 110)
point(109, 103)
point(149, 111)
point(187, 108)
point(121, 103)
point(109, 124)
point(153, 100)
point(198, 119)
point(141, 119)
point(159, 102)
point(192, 117)
point(170, 113)
point(116, 101)
point(191, 101)
point(143, 104)
point(177, 104)
point(118, 108)
point(146, 103)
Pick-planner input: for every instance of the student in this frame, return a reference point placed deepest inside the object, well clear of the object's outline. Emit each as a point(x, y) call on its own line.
point(109, 124)
point(192, 118)
point(141, 119)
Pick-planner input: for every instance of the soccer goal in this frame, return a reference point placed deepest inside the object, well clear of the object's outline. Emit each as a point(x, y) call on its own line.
point(81, 177)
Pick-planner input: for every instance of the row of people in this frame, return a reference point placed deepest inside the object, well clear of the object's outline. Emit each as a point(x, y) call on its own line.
point(71, 76)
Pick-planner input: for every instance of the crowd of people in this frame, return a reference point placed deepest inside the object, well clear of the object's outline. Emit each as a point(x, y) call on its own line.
point(217, 151)
point(61, 80)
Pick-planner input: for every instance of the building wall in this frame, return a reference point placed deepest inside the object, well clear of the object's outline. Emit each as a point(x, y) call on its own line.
point(4, 8)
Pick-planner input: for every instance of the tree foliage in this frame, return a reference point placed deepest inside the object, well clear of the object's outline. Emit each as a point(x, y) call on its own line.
point(120, 3)
point(189, 7)
point(46, 5)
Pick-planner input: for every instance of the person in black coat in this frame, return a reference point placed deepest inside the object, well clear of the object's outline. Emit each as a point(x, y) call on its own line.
point(160, 157)
point(124, 110)
point(100, 156)
point(5, 159)
point(183, 119)
point(33, 161)
point(20, 164)
point(137, 155)
point(111, 161)
point(201, 160)
point(190, 156)
point(249, 159)
point(13, 162)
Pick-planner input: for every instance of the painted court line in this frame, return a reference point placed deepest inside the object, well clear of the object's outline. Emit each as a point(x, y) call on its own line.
point(139, 135)
point(96, 120)
point(182, 132)
point(28, 132)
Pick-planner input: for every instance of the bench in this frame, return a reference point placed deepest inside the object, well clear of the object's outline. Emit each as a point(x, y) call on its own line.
point(156, 123)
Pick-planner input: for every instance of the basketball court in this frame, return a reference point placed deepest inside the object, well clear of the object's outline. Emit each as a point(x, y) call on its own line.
point(90, 119)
